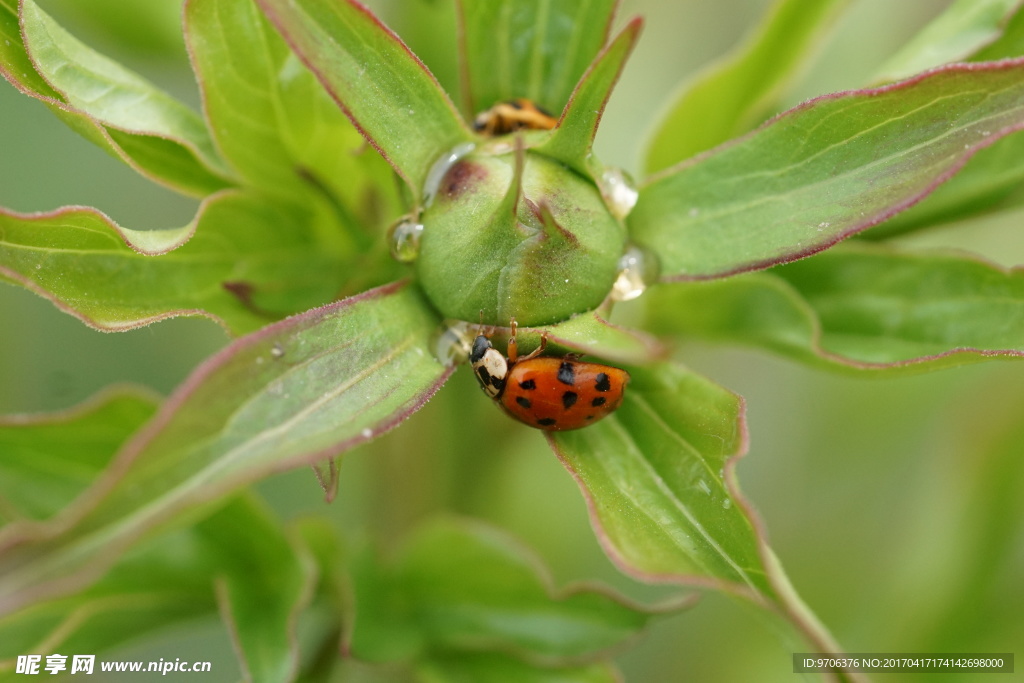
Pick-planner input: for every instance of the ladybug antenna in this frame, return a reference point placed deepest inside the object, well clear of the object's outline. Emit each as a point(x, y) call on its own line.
point(512, 350)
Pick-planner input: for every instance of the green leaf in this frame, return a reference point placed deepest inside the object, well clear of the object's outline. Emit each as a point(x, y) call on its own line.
point(267, 112)
point(590, 334)
point(47, 460)
point(584, 334)
point(987, 182)
point(110, 105)
point(151, 30)
point(655, 477)
point(1010, 43)
point(571, 141)
point(155, 586)
point(498, 668)
point(473, 588)
point(824, 171)
point(250, 262)
point(261, 578)
point(387, 92)
point(738, 92)
point(860, 307)
point(463, 587)
point(528, 48)
point(264, 581)
point(992, 177)
point(957, 34)
point(15, 64)
point(296, 392)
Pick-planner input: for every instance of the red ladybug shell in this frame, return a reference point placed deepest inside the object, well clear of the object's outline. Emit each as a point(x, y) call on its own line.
point(559, 394)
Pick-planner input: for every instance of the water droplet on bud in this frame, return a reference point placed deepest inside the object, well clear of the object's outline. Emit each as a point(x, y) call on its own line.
point(277, 351)
point(453, 341)
point(638, 270)
point(404, 239)
point(437, 172)
point(619, 191)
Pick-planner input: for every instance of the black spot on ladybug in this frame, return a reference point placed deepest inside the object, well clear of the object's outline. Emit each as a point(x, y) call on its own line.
point(599, 401)
point(546, 421)
point(528, 385)
point(523, 401)
point(567, 374)
point(590, 417)
point(569, 399)
point(602, 382)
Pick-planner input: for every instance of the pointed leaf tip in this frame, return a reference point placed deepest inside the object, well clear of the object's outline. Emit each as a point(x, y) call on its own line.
point(572, 139)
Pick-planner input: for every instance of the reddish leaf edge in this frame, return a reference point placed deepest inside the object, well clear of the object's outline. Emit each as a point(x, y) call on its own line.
point(82, 408)
point(187, 233)
point(688, 580)
point(870, 221)
point(275, 19)
point(656, 350)
point(786, 603)
point(124, 157)
point(631, 33)
point(470, 106)
point(18, 533)
point(919, 364)
point(101, 127)
point(529, 556)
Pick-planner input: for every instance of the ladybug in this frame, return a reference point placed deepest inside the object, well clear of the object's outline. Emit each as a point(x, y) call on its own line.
point(553, 394)
point(512, 115)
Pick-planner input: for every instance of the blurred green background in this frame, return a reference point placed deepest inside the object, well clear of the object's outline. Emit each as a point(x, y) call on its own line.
point(894, 504)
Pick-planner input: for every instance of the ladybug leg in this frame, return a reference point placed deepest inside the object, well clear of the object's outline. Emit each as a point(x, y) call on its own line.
point(513, 346)
point(540, 349)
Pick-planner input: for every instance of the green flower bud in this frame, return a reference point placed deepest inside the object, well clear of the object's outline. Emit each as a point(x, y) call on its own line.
point(529, 239)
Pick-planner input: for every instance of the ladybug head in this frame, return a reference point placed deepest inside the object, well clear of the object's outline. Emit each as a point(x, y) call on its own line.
point(489, 366)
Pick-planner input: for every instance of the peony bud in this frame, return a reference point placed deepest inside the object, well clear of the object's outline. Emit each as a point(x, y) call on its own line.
point(516, 234)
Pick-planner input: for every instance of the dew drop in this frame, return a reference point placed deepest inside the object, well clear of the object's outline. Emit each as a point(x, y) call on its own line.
point(366, 433)
point(277, 351)
point(638, 270)
point(726, 503)
point(39, 266)
point(694, 212)
point(437, 172)
point(619, 191)
point(453, 341)
point(404, 239)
